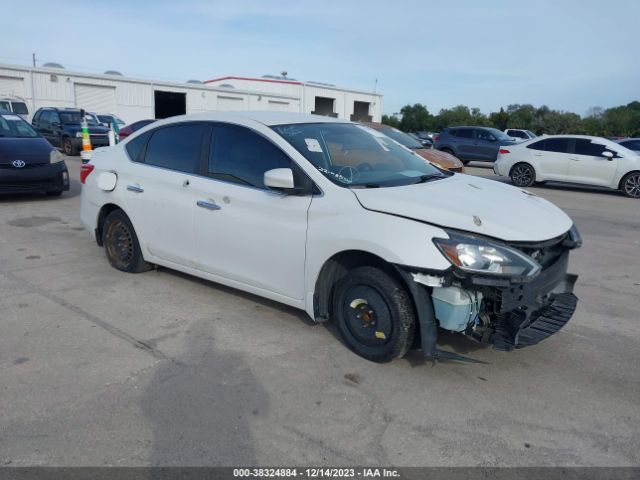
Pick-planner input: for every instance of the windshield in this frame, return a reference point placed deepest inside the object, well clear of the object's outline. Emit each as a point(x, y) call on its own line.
point(356, 156)
point(15, 127)
point(531, 134)
point(401, 137)
point(75, 117)
point(499, 135)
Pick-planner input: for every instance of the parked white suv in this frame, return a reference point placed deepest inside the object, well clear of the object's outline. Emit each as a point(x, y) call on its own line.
point(571, 158)
point(520, 134)
point(337, 219)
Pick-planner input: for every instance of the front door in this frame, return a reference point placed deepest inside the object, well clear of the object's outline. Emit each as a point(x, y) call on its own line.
point(588, 165)
point(245, 232)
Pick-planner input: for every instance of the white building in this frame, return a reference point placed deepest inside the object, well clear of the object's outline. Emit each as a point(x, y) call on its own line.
point(135, 99)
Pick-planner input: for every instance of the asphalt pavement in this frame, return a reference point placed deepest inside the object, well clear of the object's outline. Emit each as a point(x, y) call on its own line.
point(99, 367)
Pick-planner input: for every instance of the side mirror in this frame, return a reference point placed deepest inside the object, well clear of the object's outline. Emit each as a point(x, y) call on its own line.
point(279, 179)
point(55, 124)
point(608, 155)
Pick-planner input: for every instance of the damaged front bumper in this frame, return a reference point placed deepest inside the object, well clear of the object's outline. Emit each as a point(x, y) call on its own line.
point(508, 313)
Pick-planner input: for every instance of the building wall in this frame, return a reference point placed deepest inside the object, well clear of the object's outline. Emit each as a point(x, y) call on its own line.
point(306, 92)
point(134, 98)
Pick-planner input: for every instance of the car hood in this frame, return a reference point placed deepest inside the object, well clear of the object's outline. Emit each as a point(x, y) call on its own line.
point(444, 159)
point(472, 204)
point(29, 150)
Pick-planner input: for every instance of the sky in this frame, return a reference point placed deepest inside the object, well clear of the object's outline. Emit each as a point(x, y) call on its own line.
point(570, 55)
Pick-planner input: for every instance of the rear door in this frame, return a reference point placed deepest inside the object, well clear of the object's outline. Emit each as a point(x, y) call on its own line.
point(244, 231)
point(551, 158)
point(464, 141)
point(159, 198)
point(589, 166)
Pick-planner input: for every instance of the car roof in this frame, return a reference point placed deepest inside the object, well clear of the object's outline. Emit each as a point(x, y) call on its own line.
point(266, 118)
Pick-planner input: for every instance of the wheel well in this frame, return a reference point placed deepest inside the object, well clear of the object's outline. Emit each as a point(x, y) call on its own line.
point(337, 267)
point(104, 212)
point(625, 176)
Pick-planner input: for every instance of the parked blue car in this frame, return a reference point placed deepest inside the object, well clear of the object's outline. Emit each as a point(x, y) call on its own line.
point(472, 143)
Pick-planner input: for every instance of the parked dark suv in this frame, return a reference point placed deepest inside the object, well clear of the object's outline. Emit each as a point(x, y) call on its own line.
point(472, 143)
point(63, 128)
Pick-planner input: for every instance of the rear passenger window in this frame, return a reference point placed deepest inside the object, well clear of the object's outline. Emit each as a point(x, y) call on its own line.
point(585, 147)
point(178, 147)
point(464, 133)
point(241, 156)
point(559, 145)
point(537, 145)
point(135, 147)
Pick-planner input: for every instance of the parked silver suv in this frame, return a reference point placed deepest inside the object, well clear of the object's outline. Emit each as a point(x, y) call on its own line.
point(472, 143)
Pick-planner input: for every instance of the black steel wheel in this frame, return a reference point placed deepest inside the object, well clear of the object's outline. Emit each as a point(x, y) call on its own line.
point(630, 185)
point(121, 244)
point(67, 147)
point(523, 175)
point(374, 314)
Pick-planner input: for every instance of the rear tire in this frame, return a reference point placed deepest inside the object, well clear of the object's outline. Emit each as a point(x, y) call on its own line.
point(630, 185)
point(54, 193)
point(121, 244)
point(522, 175)
point(374, 314)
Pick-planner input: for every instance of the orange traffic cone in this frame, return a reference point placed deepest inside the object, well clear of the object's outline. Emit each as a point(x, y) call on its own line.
point(86, 141)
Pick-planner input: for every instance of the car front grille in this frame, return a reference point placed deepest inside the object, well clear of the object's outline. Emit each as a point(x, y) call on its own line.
point(8, 166)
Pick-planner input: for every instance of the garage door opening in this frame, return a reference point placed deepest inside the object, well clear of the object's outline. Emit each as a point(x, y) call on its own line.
point(169, 104)
point(324, 106)
point(361, 112)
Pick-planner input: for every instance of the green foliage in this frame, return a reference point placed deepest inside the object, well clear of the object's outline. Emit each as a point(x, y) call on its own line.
point(391, 120)
point(415, 118)
point(623, 121)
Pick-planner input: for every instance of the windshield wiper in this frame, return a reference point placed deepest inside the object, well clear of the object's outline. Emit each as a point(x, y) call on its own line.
point(431, 176)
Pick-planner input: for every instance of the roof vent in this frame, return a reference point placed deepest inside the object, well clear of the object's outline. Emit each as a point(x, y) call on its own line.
point(193, 81)
point(113, 72)
point(279, 77)
point(53, 65)
point(226, 85)
point(324, 84)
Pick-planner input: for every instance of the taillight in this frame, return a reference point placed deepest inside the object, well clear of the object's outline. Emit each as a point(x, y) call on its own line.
point(85, 170)
point(436, 138)
point(503, 151)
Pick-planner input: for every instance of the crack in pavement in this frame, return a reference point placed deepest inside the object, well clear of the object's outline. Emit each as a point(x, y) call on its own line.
point(112, 329)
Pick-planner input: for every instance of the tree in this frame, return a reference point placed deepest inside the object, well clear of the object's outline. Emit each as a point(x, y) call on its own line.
point(499, 120)
point(391, 120)
point(415, 118)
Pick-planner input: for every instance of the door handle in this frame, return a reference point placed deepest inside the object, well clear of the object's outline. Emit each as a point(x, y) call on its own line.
point(135, 188)
point(208, 204)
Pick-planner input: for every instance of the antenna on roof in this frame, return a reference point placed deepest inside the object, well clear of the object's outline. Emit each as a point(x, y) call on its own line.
point(284, 73)
point(375, 86)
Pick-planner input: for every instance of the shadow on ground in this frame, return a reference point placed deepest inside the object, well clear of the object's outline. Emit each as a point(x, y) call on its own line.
point(200, 406)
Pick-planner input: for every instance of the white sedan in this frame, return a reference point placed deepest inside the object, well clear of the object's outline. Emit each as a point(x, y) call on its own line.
point(573, 159)
point(338, 220)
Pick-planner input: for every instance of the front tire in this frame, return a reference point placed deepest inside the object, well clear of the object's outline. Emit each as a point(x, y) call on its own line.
point(121, 244)
point(523, 175)
point(68, 148)
point(54, 193)
point(630, 185)
point(374, 314)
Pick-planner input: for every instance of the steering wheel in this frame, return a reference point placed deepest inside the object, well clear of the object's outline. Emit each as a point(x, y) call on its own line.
point(353, 173)
point(365, 167)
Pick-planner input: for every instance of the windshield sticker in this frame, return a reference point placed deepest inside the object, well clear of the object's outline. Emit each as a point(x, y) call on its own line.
point(342, 178)
point(313, 145)
point(11, 117)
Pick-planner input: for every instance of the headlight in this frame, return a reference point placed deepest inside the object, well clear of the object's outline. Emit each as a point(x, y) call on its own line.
point(78, 134)
point(476, 255)
point(55, 156)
